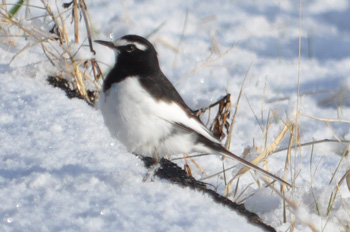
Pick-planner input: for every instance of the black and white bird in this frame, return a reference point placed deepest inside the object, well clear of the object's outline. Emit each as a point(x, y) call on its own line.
point(143, 110)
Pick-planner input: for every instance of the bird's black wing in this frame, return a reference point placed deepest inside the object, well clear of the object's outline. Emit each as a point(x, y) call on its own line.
point(162, 89)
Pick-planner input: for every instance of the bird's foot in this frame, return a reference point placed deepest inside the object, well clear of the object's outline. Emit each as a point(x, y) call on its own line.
point(151, 172)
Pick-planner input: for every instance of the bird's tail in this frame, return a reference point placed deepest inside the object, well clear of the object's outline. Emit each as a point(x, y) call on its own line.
point(214, 147)
point(225, 152)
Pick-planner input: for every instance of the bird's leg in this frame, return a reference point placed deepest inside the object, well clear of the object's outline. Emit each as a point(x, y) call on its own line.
point(151, 171)
point(153, 168)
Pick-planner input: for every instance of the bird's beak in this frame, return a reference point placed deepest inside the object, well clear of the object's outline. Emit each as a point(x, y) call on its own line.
point(106, 43)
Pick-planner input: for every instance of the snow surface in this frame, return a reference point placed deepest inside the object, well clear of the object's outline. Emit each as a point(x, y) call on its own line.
point(60, 170)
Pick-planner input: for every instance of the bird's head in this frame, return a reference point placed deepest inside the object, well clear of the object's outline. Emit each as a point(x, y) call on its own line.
point(135, 55)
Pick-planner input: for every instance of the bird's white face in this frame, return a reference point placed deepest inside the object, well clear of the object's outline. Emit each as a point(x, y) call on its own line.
point(123, 42)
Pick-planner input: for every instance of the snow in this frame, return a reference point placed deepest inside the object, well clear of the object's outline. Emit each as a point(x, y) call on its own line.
point(60, 170)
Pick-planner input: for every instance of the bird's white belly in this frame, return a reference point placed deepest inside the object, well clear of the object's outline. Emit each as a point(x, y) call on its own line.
point(136, 119)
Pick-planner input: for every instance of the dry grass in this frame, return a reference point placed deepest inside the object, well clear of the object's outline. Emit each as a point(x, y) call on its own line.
point(290, 130)
point(56, 44)
point(291, 171)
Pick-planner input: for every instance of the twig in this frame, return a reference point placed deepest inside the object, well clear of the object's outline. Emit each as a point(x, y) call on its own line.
point(76, 20)
point(87, 24)
point(228, 141)
point(345, 153)
point(286, 166)
point(327, 120)
point(155, 30)
point(207, 63)
point(269, 150)
point(181, 38)
point(314, 142)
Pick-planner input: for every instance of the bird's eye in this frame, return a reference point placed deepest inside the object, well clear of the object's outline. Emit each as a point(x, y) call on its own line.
point(130, 48)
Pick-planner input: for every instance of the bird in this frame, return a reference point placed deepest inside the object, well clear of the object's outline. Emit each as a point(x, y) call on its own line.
point(143, 110)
